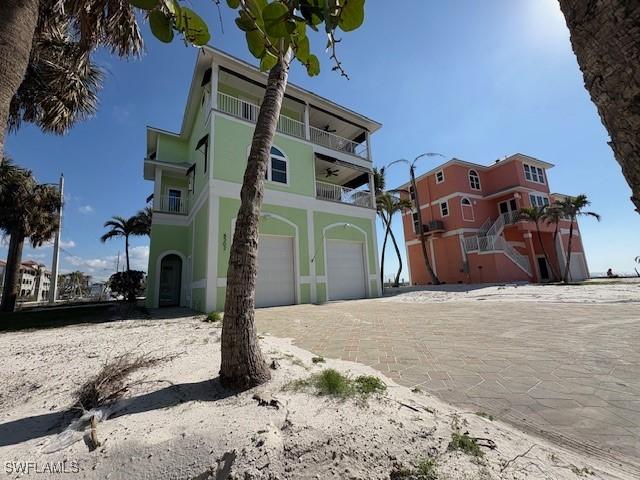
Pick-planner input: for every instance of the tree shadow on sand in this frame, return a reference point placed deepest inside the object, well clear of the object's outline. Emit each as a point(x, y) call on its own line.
point(36, 426)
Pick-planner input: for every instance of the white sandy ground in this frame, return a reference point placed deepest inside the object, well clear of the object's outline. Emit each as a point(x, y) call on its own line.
point(182, 425)
point(592, 291)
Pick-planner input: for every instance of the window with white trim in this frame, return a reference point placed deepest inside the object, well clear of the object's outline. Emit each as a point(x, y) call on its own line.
point(278, 167)
point(416, 222)
point(440, 176)
point(538, 200)
point(533, 173)
point(474, 180)
point(444, 209)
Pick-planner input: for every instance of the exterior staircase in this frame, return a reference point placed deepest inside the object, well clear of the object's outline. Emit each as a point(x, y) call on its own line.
point(490, 239)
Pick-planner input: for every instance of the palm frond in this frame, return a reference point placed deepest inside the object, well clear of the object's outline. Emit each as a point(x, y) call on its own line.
point(60, 87)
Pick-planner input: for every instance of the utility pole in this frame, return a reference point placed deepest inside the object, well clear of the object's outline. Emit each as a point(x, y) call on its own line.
point(53, 290)
point(118, 262)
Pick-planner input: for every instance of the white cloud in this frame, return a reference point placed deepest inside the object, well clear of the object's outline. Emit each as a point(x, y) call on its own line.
point(67, 244)
point(85, 209)
point(35, 255)
point(101, 268)
point(139, 257)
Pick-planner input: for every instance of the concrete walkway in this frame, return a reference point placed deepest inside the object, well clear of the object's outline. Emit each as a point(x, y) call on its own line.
point(568, 371)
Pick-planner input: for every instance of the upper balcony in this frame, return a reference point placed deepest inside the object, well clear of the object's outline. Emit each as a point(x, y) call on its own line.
point(325, 136)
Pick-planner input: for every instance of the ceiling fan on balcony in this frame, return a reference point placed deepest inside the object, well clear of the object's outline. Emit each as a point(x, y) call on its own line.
point(327, 128)
point(332, 172)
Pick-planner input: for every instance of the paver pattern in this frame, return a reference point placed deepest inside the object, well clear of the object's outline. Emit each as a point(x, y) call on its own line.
point(568, 371)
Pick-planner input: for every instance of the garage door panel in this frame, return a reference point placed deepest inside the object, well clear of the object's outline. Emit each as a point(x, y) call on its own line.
point(275, 284)
point(345, 270)
point(577, 267)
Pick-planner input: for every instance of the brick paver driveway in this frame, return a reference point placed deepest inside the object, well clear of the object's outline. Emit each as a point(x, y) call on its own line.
point(568, 371)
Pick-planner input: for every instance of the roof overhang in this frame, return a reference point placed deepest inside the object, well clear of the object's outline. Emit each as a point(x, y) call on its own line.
point(456, 161)
point(150, 167)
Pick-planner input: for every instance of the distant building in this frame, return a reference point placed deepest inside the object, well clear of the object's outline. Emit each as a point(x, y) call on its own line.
point(33, 283)
point(474, 235)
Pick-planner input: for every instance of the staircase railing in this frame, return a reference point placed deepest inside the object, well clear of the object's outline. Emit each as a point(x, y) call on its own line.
point(496, 243)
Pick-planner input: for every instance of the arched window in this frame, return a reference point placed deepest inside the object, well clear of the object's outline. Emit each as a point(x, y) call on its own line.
point(278, 167)
point(474, 180)
point(467, 210)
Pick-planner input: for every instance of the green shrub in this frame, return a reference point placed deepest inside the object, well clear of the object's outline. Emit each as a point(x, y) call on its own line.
point(368, 384)
point(330, 382)
point(427, 469)
point(464, 443)
point(213, 317)
point(129, 284)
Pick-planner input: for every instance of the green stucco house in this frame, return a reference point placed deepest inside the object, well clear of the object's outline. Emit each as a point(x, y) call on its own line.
point(317, 230)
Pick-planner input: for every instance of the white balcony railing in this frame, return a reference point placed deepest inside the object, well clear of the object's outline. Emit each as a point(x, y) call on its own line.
point(249, 111)
point(336, 142)
point(337, 193)
point(289, 126)
point(170, 204)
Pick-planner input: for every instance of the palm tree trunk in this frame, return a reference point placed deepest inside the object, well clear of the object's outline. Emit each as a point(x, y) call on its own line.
point(565, 277)
point(126, 250)
point(384, 248)
point(606, 41)
point(12, 272)
point(544, 251)
point(396, 282)
point(423, 241)
point(243, 365)
point(18, 19)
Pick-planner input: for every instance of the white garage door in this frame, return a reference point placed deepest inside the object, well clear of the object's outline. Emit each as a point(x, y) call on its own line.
point(345, 265)
point(577, 267)
point(276, 278)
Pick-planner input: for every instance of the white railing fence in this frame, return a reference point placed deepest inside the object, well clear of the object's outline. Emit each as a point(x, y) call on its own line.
point(170, 204)
point(337, 193)
point(521, 260)
point(249, 111)
point(496, 243)
point(336, 142)
point(289, 126)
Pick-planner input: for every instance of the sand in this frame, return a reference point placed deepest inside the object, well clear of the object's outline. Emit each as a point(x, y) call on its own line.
point(180, 424)
point(592, 291)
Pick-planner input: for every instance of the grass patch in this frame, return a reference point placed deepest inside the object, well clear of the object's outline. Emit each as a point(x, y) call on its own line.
point(332, 383)
point(425, 470)
point(213, 317)
point(464, 443)
point(486, 415)
point(318, 360)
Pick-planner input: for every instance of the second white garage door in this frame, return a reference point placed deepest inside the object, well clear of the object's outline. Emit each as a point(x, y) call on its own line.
point(577, 267)
point(345, 270)
point(275, 284)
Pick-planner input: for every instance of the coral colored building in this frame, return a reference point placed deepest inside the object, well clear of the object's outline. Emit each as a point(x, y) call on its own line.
point(469, 214)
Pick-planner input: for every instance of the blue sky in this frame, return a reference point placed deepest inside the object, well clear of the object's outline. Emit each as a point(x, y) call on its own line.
point(474, 80)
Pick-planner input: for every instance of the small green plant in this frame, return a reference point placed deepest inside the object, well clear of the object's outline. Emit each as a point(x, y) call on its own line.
point(486, 415)
point(427, 469)
point(464, 443)
point(318, 360)
point(332, 383)
point(582, 472)
point(368, 384)
point(213, 317)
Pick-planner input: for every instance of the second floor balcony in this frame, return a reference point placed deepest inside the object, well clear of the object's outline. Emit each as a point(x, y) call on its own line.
point(171, 204)
point(320, 134)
